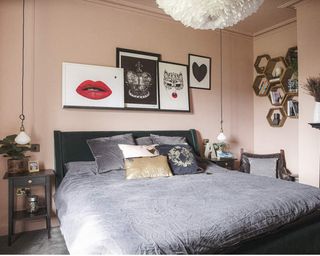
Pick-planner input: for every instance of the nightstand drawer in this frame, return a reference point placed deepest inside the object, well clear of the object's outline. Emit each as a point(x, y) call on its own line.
point(226, 164)
point(29, 181)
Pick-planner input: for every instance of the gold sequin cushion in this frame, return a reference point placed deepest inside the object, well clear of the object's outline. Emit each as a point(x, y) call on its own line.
point(147, 167)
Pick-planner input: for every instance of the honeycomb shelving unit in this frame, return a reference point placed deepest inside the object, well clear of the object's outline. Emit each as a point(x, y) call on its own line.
point(277, 79)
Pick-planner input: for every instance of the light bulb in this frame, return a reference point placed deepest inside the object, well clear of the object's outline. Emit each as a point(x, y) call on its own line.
point(22, 138)
point(221, 137)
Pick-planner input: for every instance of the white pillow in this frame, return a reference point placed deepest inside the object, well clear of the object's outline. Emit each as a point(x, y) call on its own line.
point(263, 166)
point(130, 151)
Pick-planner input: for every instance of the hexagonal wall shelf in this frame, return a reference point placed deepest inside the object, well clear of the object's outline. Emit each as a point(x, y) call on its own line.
point(276, 95)
point(291, 106)
point(292, 54)
point(278, 72)
point(261, 63)
point(261, 86)
point(276, 117)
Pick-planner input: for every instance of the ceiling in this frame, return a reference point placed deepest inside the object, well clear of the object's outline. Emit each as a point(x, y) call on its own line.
point(267, 16)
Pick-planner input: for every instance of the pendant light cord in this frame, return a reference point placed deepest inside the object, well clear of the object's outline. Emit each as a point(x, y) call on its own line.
point(221, 117)
point(21, 116)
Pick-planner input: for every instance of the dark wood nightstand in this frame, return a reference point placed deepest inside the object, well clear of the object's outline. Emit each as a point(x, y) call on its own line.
point(224, 162)
point(23, 180)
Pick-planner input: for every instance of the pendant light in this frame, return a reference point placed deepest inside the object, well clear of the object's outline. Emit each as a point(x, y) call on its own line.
point(221, 137)
point(22, 137)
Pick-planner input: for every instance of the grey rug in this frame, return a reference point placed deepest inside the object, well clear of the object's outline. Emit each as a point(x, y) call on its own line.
point(35, 242)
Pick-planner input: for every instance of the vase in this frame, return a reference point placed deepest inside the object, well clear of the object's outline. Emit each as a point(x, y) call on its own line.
point(17, 165)
point(316, 113)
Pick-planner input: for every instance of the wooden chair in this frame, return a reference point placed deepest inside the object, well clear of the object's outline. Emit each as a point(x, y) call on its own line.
point(281, 170)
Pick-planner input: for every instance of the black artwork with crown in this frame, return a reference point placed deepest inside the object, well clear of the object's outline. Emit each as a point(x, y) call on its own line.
point(140, 78)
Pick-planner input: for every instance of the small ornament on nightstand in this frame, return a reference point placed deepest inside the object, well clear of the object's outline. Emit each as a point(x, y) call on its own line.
point(33, 166)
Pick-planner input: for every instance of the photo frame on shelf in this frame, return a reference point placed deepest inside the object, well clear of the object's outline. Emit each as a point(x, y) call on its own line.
point(173, 86)
point(141, 82)
point(199, 72)
point(33, 166)
point(91, 86)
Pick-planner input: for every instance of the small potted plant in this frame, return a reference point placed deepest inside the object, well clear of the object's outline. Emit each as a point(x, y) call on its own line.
point(17, 161)
point(312, 87)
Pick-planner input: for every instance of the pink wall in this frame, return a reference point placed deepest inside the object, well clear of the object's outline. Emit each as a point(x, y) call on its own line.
point(88, 32)
point(309, 62)
point(268, 139)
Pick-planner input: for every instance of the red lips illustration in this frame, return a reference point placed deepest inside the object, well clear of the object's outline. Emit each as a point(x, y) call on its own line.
point(174, 95)
point(94, 90)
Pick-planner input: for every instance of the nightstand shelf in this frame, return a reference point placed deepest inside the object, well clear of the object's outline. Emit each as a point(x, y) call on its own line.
point(23, 180)
point(21, 215)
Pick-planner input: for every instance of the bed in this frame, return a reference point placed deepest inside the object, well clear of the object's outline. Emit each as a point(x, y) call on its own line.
point(218, 211)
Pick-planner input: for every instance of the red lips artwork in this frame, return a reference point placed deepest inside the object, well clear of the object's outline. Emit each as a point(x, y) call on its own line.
point(94, 90)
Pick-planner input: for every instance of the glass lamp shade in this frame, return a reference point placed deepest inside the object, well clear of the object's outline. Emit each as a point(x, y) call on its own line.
point(22, 138)
point(221, 137)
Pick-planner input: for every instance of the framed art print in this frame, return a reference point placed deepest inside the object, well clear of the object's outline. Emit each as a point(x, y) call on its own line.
point(199, 72)
point(89, 86)
point(140, 78)
point(173, 86)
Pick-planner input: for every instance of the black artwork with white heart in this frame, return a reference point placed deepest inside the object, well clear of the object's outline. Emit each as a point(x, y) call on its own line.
point(199, 72)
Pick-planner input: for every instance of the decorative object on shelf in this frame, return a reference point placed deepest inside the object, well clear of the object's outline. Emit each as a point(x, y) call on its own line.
point(261, 86)
point(291, 106)
point(278, 72)
point(32, 204)
point(261, 63)
point(140, 78)
point(33, 166)
point(276, 117)
point(173, 86)
point(17, 161)
point(209, 14)
point(209, 151)
point(22, 138)
point(221, 137)
point(90, 86)
point(276, 95)
point(292, 61)
point(199, 72)
point(312, 87)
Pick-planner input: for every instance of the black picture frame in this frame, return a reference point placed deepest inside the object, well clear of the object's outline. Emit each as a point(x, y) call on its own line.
point(139, 65)
point(172, 67)
point(199, 71)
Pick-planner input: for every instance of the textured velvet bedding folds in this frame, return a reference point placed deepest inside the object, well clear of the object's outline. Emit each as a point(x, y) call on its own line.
point(199, 213)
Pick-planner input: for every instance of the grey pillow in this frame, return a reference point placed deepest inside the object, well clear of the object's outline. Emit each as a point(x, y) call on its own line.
point(263, 166)
point(107, 153)
point(144, 141)
point(168, 140)
point(81, 168)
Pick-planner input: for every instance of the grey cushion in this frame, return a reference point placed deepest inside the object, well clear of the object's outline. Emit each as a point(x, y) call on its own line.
point(263, 166)
point(169, 140)
point(107, 153)
point(81, 168)
point(144, 141)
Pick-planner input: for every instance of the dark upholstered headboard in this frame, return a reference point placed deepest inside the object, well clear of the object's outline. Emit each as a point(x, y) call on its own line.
point(72, 146)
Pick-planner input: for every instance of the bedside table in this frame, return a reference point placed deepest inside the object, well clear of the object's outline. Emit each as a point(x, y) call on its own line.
point(22, 180)
point(224, 162)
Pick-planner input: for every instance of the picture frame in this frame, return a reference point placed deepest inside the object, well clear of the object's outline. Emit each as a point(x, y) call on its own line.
point(33, 166)
point(199, 71)
point(91, 86)
point(174, 87)
point(141, 79)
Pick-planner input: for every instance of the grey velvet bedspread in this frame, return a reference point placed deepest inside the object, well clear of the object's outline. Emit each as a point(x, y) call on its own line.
point(199, 213)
